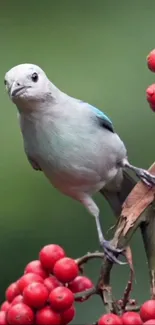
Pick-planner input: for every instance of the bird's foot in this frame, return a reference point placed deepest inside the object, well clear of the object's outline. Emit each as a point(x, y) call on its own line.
point(112, 252)
point(146, 177)
point(143, 174)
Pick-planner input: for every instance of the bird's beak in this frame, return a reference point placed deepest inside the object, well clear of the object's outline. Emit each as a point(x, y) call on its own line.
point(15, 89)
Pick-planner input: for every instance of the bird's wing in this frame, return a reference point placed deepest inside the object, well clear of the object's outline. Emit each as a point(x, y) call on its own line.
point(103, 118)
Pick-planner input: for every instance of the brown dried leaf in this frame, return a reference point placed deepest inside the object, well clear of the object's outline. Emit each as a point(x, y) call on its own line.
point(137, 201)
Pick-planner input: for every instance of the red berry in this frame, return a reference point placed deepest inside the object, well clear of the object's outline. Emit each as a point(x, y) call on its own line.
point(79, 284)
point(5, 306)
point(61, 298)
point(110, 319)
point(3, 320)
point(46, 316)
point(150, 95)
point(27, 279)
point(131, 318)
point(12, 291)
point(51, 283)
point(49, 255)
point(20, 314)
point(68, 315)
point(147, 310)
point(35, 295)
point(17, 299)
point(151, 60)
point(36, 267)
point(150, 322)
point(66, 269)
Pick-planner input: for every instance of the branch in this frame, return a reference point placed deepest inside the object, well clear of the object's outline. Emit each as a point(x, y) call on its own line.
point(84, 259)
point(132, 216)
point(127, 292)
point(132, 308)
point(86, 293)
point(148, 235)
point(104, 287)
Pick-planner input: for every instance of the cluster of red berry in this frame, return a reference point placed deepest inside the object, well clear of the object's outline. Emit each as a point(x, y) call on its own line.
point(146, 316)
point(150, 91)
point(45, 293)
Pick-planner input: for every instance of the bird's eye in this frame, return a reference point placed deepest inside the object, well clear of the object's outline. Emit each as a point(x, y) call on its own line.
point(5, 82)
point(34, 77)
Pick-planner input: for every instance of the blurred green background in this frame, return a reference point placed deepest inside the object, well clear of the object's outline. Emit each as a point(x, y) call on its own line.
point(96, 51)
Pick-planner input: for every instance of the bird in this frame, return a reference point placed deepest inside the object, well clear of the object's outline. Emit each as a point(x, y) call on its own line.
point(73, 143)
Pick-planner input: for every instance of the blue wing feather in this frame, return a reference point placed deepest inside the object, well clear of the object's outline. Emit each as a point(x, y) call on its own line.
point(104, 119)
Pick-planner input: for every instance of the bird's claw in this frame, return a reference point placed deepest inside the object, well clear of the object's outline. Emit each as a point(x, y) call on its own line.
point(146, 182)
point(147, 178)
point(112, 252)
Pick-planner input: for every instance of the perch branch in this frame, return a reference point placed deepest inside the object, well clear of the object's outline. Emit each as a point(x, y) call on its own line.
point(132, 216)
point(148, 235)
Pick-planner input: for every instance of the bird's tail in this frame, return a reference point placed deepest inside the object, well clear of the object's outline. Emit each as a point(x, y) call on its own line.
point(116, 199)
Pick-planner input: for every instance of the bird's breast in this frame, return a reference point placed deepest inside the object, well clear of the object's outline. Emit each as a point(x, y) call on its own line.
point(56, 147)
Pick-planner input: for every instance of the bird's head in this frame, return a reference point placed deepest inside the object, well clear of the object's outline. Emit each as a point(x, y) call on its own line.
point(27, 83)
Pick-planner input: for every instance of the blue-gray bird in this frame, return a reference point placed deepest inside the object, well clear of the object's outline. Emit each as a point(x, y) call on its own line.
point(73, 143)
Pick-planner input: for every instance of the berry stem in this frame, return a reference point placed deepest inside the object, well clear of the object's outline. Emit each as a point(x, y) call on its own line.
point(86, 293)
point(127, 292)
point(132, 308)
point(85, 258)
